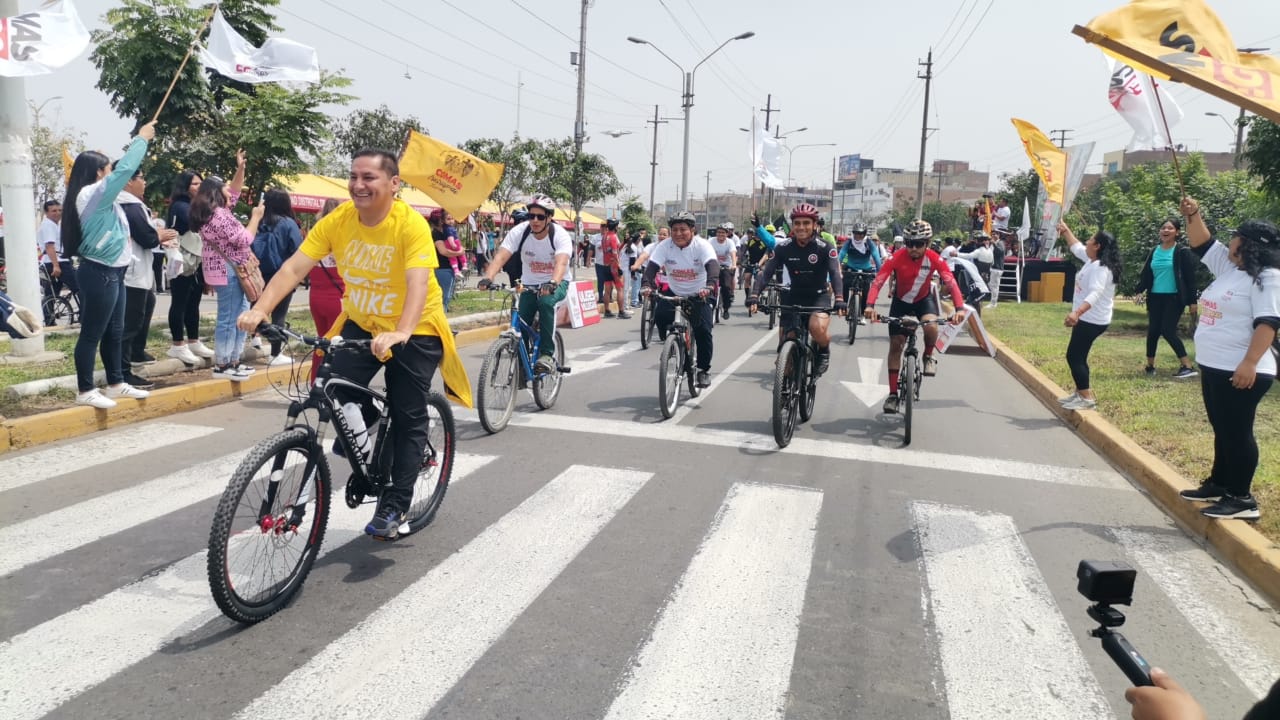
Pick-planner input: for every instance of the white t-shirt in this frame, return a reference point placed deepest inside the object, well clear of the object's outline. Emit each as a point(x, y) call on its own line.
point(539, 256)
point(723, 250)
point(49, 232)
point(1095, 286)
point(1001, 218)
point(1228, 308)
point(971, 270)
point(596, 241)
point(685, 268)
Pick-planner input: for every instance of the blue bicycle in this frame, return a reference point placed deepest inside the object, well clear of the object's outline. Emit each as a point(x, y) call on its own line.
point(509, 367)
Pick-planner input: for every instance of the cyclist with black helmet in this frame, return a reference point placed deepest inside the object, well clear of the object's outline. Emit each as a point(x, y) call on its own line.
point(912, 270)
point(812, 264)
point(860, 254)
point(727, 256)
point(689, 263)
point(544, 249)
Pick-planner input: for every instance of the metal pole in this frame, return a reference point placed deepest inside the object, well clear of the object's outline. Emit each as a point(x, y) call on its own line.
point(19, 199)
point(924, 133)
point(579, 129)
point(1240, 121)
point(706, 202)
point(653, 164)
point(834, 225)
point(684, 172)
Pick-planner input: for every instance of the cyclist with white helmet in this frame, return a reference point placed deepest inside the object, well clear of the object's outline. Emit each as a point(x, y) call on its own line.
point(690, 265)
point(860, 254)
point(727, 256)
point(544, 249)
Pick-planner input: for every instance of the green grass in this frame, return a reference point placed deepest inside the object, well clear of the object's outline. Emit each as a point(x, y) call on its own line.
point(466, 302)
point(1163, 415)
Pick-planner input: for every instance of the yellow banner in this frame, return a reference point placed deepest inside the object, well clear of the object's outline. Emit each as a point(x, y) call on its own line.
point(458, 181)
point(67, 161)
point(1049, 160)
point(1188, 26)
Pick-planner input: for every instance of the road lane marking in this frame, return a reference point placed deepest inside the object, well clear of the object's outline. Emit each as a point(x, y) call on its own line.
point(869, 369)
point(413, 649)
point(688, 405)
point(579, 367)
point(726, 638)
point(102, 449)
point(57, 660)
point(868, 394)
point(996, 620)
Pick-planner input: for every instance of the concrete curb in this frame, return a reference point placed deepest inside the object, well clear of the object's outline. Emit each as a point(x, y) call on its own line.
point(24, 432)
point(1256, 557)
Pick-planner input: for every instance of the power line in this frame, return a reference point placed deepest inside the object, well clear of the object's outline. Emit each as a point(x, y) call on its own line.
point(693, 42)
point(971, 34)
point(938, 42)
point(754, 89)
point(967, 15)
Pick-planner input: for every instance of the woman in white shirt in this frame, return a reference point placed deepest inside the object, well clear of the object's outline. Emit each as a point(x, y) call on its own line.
point(1239, 316)
point(1091, 307)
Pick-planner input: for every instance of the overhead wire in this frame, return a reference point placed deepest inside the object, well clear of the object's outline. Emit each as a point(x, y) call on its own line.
point(694, 43)
point(734, 66)
point(970, 37)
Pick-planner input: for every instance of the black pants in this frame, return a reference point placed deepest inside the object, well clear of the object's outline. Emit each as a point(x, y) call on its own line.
point(1231, 413)
point(1082, 337)
point(139, 306)
point(1164, 310)
point(102, 301)
point(184, 306)
point(726, 287)
point(408, 377)
point(701, 322)
point(157, 270)
point(278, 317)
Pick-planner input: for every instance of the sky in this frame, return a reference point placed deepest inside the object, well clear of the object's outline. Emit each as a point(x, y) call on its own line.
point(844, 69)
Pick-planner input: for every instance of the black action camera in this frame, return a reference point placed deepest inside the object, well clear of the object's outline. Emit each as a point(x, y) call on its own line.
point(1106, 583)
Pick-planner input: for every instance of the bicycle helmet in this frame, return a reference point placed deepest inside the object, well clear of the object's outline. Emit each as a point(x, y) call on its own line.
point(859, 228)
point(917, 230)
point(543, 202)
point(804, 210)
point(684, 216)
point(611, 223)
point(728, 226)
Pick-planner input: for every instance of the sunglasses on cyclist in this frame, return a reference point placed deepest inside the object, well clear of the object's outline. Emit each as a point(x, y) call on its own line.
point(914, 243)
point(537, 216)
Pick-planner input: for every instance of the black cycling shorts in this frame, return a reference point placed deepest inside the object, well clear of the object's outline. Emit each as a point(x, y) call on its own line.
point(918, 310)
point(790, 321)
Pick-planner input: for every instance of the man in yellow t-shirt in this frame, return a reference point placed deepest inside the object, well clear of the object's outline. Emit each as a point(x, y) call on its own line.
point(386, 256)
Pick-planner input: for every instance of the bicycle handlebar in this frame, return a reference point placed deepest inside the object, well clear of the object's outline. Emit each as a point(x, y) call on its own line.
point(911, 321)
point(277, 332)
point(796, 308)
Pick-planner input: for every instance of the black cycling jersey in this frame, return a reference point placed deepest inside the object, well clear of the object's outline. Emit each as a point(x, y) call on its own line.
point(756, 250)
point(810, 267)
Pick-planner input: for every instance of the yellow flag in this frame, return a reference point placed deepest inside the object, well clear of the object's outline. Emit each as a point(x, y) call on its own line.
point(1049, 160)
point(67, 161)
point(459, 181)
point(1185, 41)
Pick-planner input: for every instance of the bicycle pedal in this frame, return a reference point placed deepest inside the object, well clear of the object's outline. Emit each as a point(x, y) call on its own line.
point(563, 370)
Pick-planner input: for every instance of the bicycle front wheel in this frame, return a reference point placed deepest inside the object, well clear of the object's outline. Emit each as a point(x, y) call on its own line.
point(855, 314)
point(786, 387)
point(773, 313)
point(546, 388)
point(437, 465)
point(268, 527)
point(670, 372)
point(496, 394)
point(807, 382)
point(907, 391)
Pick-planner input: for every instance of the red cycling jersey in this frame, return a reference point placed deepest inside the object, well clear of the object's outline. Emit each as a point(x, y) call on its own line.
point(913, 277)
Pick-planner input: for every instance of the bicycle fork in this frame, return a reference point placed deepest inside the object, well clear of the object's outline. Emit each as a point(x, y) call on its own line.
point(269, 523)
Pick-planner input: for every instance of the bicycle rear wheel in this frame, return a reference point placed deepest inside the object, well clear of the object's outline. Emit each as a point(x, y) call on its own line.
point(785, 392)
point(907, 391)
point(807, 382)
point(546, 388)
point(670, 373)
point(496, 393)
point(58, 312)
point(268, 527)
point(690, 372)
point(855, 314)
point(773, 312)
point(646, 324)
point(437, 466)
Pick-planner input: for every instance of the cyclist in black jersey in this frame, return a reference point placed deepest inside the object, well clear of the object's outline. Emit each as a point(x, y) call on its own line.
point(813, 265)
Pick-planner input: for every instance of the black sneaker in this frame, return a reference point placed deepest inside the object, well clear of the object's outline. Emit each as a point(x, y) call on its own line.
point(891, 405)
point(139, 382)
point(385, 524)
point(608, 313)
point(704, 379)
point(824, 362)
point(1151, 371)
point(1232, 507)
point(145, 358)
point(1185, 372)
point(1207, 492)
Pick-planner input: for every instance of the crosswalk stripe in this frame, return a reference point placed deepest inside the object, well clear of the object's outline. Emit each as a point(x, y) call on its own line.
point(409, 652)
point(47, 665)
point(726, 638)
point(1194, 580)
point(996, 620)
point(98, 450)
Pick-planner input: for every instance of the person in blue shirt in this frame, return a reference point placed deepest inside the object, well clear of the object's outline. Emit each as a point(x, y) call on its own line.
point(1169, 279)
point(860, 254)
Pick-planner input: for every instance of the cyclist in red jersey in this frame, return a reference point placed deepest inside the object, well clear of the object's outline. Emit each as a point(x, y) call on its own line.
point(912, 269)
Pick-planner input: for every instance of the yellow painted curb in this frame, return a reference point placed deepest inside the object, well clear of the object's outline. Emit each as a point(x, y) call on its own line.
point(1249, 550)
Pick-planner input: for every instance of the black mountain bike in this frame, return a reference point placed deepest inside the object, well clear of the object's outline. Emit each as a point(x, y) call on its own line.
point(772, 295)
point(61, 307)
point(676, 363)
point(271, 519)
point(911, 372)
point(795, 375)
point(648, 328)
point(854, 282)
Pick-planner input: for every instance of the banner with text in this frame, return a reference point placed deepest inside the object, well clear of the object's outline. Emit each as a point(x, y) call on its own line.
point(37, 43)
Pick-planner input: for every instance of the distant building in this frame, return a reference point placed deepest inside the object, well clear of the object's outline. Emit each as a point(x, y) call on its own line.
point(1117, 160)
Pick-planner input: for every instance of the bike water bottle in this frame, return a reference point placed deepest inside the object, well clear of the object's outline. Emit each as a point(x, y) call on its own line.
point(355, 420)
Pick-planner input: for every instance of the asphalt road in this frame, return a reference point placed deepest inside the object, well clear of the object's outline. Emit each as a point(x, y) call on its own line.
point(596, 561)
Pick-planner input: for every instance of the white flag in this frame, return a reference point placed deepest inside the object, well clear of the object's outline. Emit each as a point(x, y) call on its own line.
point(1132, 94)
point(767, 157)
point(38, 43)
point(1024, 231)
point(278, 60)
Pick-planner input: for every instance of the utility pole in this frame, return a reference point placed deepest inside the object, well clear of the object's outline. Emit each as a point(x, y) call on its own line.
point(939, 176)
point(769, 110)
point(1240, 123)
point(1062, 136)
point(653, 163)
point(519, 90)
point(924, 130)
point(706, 204)
point(579, 126)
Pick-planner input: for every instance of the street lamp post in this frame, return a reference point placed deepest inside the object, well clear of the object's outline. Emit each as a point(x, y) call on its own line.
point(687, 78)
point(791, 154)
point(1237, 129)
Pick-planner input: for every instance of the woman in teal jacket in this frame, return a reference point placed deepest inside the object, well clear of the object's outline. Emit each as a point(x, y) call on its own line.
point(96, 230)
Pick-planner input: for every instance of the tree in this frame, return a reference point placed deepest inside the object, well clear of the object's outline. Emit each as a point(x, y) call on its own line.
point(380, 128)
point(1262, 152)
point(47, 175)
point(1016, 188)
point(524, 168)
point(635, 217)
point(579, 177)
point(947, 219)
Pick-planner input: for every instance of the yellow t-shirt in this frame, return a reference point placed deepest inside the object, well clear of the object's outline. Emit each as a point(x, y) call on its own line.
point(373, 261)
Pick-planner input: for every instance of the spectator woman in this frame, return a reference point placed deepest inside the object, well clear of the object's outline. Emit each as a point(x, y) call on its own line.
point(324, 298)
point(94, 228)
point(1091, 307)
point(1239, 316)
point(226, 245)
point(278, 237)
point(186, 288)
point(1169, 279)
point(447, 249)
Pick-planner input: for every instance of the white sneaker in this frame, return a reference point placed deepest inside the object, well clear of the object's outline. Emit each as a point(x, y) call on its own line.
point(256, 342)
point(95, 398)
point(199, 349)
point(245, 370)
point(125, 390)
point(231, 373)
point(183, 353)
point(280, 360)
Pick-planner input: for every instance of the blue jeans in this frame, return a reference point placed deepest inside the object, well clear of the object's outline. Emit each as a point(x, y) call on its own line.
point(635, 289)
point(228, 340)
point(444, 277)
point(101, 323)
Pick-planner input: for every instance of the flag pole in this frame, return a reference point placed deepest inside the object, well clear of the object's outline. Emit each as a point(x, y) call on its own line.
point(190, 49)
point(1168, 136)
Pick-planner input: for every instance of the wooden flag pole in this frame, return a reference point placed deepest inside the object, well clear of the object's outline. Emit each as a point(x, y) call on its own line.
point(1168, 135)
point(185, 58)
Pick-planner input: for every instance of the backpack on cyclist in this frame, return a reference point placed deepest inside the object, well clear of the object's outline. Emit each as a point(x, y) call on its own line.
point(514, 267)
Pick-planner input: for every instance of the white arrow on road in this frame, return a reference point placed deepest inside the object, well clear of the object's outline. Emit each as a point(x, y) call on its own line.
point(870, 392)
point(603, 361)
